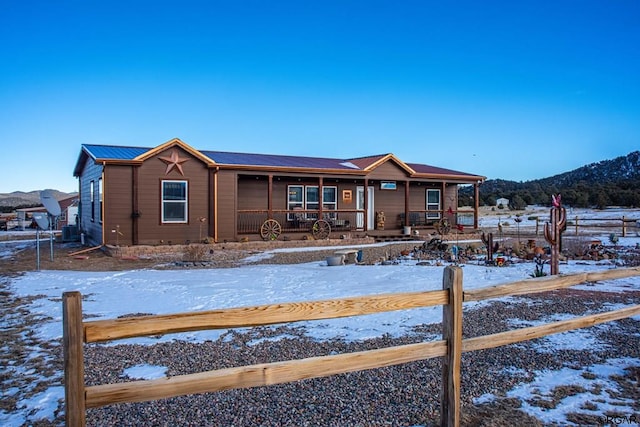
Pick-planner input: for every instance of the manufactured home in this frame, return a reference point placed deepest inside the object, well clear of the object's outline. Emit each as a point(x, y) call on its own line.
point(176, 194)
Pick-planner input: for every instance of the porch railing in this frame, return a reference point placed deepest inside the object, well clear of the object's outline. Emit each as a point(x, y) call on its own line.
point(292, 221)
point(429, 218)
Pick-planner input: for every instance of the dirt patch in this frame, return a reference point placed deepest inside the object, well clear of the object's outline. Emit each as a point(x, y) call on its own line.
point(72, 256)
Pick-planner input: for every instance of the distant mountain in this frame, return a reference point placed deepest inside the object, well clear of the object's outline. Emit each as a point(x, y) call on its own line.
point(20, 199)
point(613, 182)
point(607, 171)
point(605, 183)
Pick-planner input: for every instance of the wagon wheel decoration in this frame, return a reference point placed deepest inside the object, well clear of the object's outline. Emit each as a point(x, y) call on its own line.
point(443, 226)
point(320, 229)
point(270, 230)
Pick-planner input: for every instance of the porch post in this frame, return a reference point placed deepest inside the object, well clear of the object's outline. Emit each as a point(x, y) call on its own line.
point(366, 204)
point(443, 198)
point(270, 197)
point(406, 204)
point(320, 197)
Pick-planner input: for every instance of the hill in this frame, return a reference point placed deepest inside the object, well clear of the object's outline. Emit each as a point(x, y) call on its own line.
point(20, 199)
point(613, 182)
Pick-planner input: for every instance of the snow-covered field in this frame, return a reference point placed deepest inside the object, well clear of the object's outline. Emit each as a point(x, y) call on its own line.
point(113, 294)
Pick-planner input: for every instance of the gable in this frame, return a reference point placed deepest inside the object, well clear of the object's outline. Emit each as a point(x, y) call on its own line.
point(388, 170)
point(372, 163)
point(175, 143)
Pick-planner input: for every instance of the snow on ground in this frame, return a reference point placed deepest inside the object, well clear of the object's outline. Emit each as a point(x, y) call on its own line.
point(545, 382)
point(112, 294)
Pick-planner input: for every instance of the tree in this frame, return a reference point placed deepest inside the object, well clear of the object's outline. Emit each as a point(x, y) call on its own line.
point(517, 203)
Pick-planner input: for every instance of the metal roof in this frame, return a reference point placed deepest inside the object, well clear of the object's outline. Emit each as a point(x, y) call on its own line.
point(427, 169)
point(113, 152)
point(123, 153)
point(250, 159)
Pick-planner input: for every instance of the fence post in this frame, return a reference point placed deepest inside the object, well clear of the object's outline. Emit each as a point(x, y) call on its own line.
point(452, 333)
point(624, 227)
point(72, 338)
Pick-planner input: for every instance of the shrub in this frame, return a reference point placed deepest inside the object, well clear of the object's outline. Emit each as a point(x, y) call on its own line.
point(195, 252)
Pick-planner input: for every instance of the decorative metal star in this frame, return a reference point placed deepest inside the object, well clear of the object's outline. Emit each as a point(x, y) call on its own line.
point(174, 161)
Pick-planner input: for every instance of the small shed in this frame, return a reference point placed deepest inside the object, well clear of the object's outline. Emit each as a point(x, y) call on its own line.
point(502, 201)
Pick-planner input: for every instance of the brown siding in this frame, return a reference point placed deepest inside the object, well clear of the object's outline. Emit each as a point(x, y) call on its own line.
point(391, 202)
point(388, 171)
point(280, 195)
point(118, 183)
point(152, 172)
point(227, 201)
point(418, 195)
point(253, 193)
point(347, 205)
point(450, 198)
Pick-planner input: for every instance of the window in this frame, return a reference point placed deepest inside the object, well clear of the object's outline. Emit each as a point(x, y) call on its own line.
point(295, 200)
point(433, 204)
point(92, 197)
point(330, 201)
point(312, 201)
point(174, 201)
point(308, 198)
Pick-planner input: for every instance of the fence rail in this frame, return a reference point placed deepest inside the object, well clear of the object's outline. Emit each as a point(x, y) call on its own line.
point(76, 332)
point(574, 224)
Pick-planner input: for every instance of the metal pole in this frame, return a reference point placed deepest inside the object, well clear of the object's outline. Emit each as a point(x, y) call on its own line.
point(51, 236)
point(38, 249)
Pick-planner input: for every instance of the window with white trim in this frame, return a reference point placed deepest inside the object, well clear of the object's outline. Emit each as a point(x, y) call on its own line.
point(330, 201)
point(312, 200)
point(307, 198)
point(433, 203)
point(295, 201)
point(174, 202)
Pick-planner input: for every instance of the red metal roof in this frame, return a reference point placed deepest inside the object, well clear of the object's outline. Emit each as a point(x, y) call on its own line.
point(124, 153)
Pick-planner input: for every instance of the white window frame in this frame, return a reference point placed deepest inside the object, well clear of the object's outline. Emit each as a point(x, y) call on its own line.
point(431, 206)
point(311, 205)
point(305, 204)
point(295, 204)
point(184, 202)
point(330, 206)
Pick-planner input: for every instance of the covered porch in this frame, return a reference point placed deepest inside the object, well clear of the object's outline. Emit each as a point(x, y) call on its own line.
point(300, 207)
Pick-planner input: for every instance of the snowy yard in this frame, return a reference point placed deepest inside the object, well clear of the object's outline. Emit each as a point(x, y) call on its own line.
point(113, 294)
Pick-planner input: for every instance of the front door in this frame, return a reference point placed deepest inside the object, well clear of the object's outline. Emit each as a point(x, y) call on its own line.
point(369, 209)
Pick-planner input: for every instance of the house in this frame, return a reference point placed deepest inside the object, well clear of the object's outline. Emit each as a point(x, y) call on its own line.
point(502, 202)
point(68, 214)
point(175, 194)
point(69, 211)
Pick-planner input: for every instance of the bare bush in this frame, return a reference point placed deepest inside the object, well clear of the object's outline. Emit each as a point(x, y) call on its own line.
point(576, 246)
point(196, 252)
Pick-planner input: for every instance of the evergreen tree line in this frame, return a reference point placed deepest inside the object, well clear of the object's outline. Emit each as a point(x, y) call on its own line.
point(581, 194)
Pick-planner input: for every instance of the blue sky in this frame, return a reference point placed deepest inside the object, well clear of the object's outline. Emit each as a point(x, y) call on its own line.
point(512, 90)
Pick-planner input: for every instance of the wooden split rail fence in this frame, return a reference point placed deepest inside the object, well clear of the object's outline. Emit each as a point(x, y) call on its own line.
point(78, 397)
point(574, 223)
